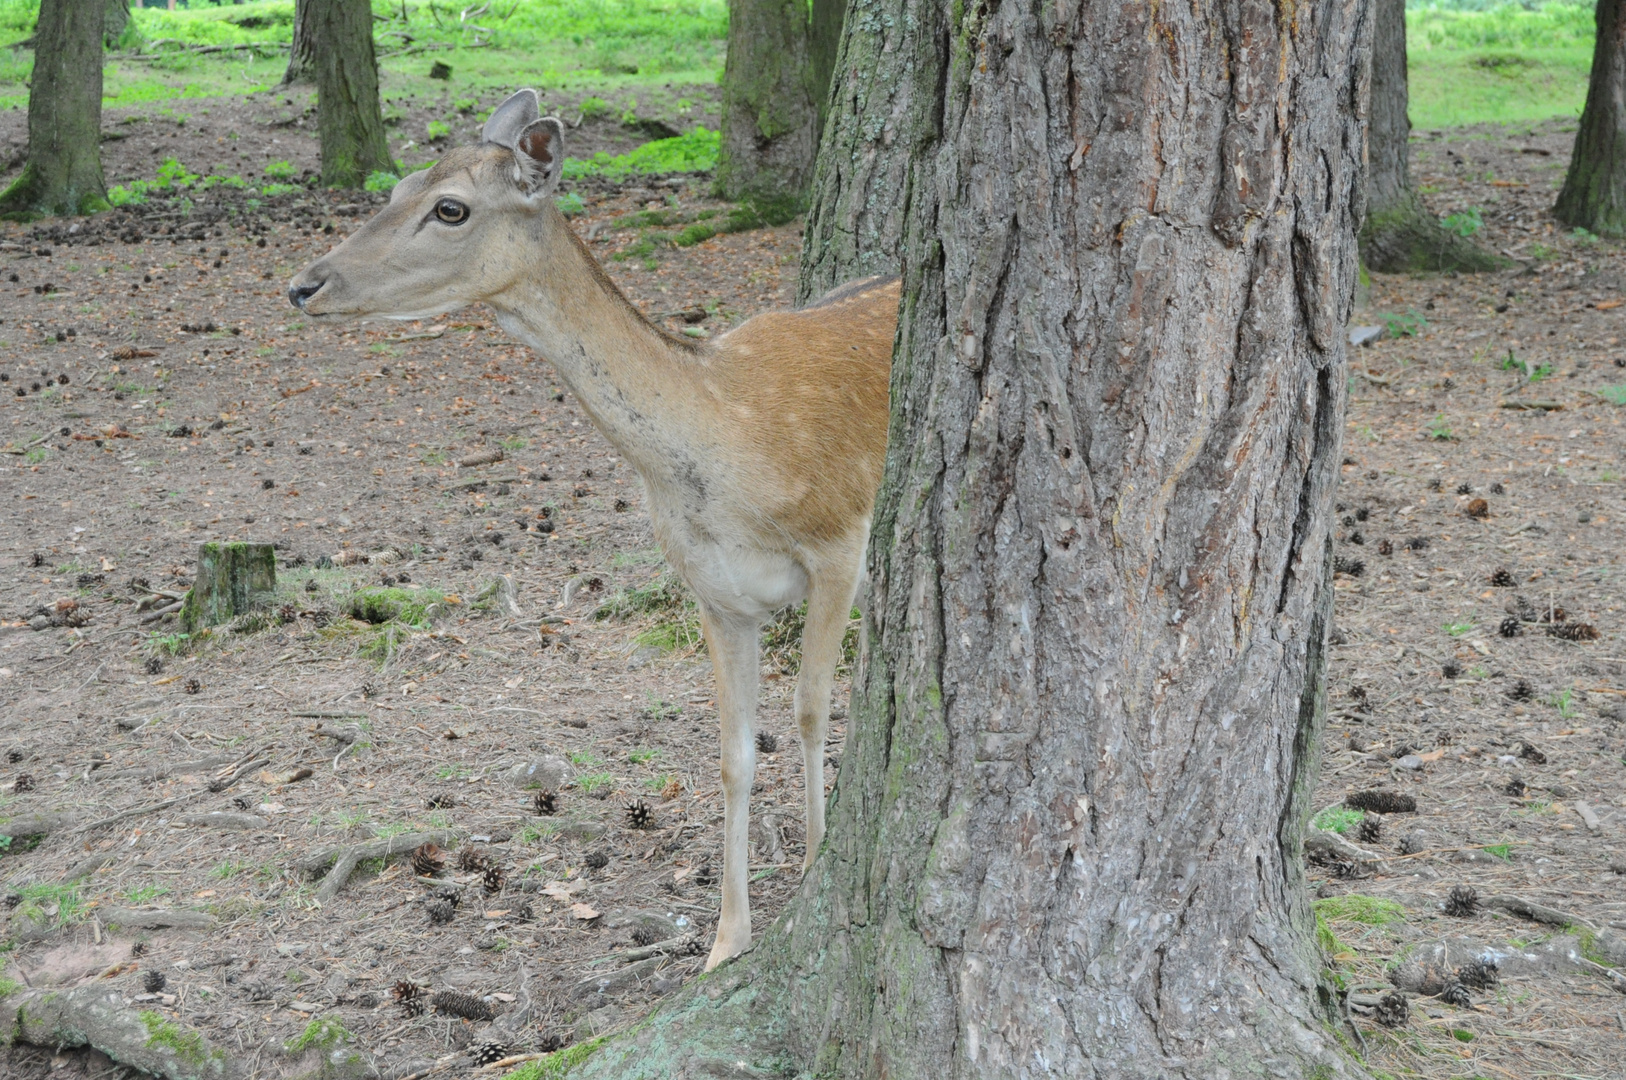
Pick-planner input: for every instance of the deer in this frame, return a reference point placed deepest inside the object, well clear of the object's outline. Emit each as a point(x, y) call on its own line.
point(760, 450)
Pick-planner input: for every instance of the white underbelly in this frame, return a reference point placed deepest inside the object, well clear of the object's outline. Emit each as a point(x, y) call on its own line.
point(739, 579)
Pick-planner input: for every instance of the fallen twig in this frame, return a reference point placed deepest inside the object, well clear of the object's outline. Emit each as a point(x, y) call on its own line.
point(158, 772)
point(344, 860)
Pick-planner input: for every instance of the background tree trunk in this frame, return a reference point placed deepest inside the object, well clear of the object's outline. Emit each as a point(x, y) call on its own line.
point(63, 172)
point(302, 53)
point(1066, 837)
point(1594, 195)
point(882, 114)
point(348, 117)
point(770, 115)
point(824, 44)
point(118, 17)
point(1400, 233)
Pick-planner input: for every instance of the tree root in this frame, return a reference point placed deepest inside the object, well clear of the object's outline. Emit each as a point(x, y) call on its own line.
point(1405, 237)
point(96, 1016)
point(345, 859)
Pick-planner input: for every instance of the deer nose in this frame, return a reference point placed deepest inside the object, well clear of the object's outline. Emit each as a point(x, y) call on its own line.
point(298, 294)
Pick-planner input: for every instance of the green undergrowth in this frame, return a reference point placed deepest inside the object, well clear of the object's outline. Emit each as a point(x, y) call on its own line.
point(187, 1046)
point(671, 617)
point(57, 904)
point(695, 151)
point(1480, 61)
point(1338, 819)
point(1367, 910)
point(379, 604)
point(322, 1033)
point(602, 43)
point(555, 1065)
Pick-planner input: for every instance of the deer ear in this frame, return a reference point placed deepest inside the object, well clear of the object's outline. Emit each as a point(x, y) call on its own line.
point(509, 119)
point(539, 156)
point(409, 185)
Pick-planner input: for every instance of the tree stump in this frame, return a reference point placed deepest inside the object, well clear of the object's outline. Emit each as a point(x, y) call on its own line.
point(232, 579)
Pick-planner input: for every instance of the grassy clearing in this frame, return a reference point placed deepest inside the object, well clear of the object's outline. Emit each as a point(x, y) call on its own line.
point(1355, 908)
point(1473, 62)
point(610, 44)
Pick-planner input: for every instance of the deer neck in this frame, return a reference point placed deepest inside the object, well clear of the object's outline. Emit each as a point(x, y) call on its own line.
point(638, 384)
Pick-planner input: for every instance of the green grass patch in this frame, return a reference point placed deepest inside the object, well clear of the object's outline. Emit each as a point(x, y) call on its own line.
point(323, 1033)
point(1615, 395)
point(1338, 819)
point(188, 1046)
point(1367, 910)
point(45, 901)
point(1501, 851)
point(558, 1063)
point(591, 782)
point(695, 151)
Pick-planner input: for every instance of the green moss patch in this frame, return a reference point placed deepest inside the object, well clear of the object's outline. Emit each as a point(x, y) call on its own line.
point(379, 605)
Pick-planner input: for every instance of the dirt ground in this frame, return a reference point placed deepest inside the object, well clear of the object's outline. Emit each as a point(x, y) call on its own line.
point(160, 393)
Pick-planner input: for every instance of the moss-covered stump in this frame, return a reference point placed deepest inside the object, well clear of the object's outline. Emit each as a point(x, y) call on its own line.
point(97, 1016)
point(232, 579)
point(1405, 238)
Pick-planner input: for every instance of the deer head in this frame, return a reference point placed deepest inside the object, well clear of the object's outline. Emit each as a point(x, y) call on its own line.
point(452, 234)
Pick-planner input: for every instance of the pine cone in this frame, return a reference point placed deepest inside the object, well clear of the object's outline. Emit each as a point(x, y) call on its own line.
point(1510, 627)
point(153, 982)
point(428, 860)
point(1515, 787)
point(24, 782)
point(1463, 902)
point(1382, 802)
point(441, 801)
point(767, 742)
point(405, 990)
point(488, 1053)
point(1501, 578)
point(597, 860)
point(466, 1006)
point(1521, 691)
point(639, 815)
point(492, 879)
point(1531, 754)
point(1480, 974)
point(1456, 994)
point(440, 912)
point(1349, 567)
point(1392, 1010)
point(1574, 632)
point(1370, 830)
point(472, 860)
point(1385, 547)
point(546, 803)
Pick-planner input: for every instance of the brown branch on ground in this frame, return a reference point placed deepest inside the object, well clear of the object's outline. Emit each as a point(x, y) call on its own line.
point(344, 860)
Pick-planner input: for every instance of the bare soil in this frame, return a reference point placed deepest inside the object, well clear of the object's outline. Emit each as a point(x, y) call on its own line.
point(334, 443)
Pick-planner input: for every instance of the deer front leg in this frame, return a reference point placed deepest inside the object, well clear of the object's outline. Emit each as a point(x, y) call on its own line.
point(732, 640)
point(829, 602)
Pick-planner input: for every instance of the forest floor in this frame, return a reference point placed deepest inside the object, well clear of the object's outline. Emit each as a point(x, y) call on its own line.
point(160, 393)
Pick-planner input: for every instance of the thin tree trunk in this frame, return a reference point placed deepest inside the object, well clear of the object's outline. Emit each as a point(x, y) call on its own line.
point(1400, 233)
point(1066, 836)
point(302, 53)
point(770, 115)
point(348, 117)
point(63, 172)
point(1594, 195)
point(882, 115)
point(118, 17)
point(824, 44)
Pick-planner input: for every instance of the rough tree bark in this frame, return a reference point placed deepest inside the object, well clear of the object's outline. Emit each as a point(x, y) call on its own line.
point(1066, 836)
point(770, 111)
point(883, 113)
point(348, 117)
point(118, 17)
point(1594, 194)
point(302, 52)
point(824, 44)
point(1400, 233)
point(63, 171)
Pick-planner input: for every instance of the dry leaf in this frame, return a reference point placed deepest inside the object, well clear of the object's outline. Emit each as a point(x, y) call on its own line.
point(583, 912)
point(1609, 305)
point(497, 915)
point(1433, 755)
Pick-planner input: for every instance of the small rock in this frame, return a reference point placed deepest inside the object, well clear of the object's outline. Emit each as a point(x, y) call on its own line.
point(547, 772)
point(1410, 761)
point(1365, 335)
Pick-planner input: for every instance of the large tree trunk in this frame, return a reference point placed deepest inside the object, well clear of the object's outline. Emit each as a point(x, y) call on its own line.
point(348, 116)
point(770, 115)
point(882, 115)
point(118, 17)
point(1066, 836)
point(63, 171)
point(1594, 195)
point(824, 44)
point(302, 53)
point(1400, 234)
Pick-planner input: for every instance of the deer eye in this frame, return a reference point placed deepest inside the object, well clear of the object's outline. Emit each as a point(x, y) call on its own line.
point(451, 211)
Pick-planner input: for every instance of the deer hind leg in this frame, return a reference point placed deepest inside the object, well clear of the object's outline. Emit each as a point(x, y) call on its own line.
point(732, 640)
point(829, 602)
